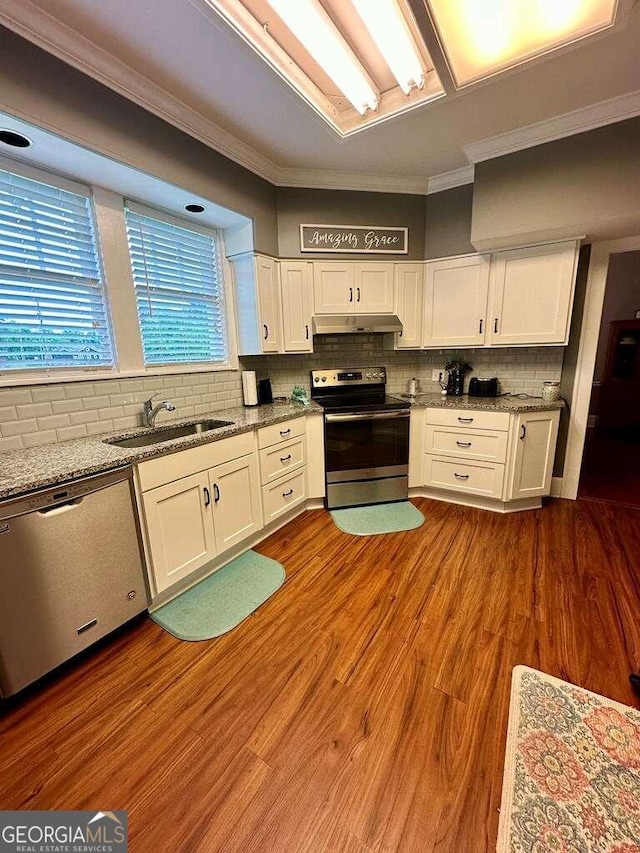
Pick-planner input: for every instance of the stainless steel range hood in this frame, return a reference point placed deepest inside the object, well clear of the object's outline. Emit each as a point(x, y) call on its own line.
point(341, 324)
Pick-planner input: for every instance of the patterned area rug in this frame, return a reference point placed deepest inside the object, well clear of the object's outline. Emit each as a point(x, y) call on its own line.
point(572, 770)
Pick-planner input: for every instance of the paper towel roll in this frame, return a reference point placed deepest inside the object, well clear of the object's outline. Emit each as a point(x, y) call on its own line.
point(249, 388)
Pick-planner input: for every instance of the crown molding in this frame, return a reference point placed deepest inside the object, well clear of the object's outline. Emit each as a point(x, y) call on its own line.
point(360, 181)
point(578, 121)
point(42, 29)
point(449, 180)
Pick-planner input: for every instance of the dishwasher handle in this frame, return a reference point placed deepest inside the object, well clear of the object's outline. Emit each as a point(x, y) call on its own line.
point(58, 509)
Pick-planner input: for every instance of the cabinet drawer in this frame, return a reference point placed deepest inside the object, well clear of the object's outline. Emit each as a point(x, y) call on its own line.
point(280, 432)
point(279, 497)
point(275, 461)
point(173, 466)
point(481, 444)
point(473, 418)
point(473, 478)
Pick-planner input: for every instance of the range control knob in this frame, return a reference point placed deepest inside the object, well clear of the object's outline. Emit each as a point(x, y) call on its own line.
point(375, 375)
point(316, 379)
point(324, 378)
point(368, 376)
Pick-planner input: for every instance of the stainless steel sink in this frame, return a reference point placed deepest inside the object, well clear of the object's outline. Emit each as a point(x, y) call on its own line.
point(168, 433)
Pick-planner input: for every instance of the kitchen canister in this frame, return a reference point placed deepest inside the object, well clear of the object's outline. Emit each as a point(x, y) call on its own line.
point(249, 388)
point(550, 391)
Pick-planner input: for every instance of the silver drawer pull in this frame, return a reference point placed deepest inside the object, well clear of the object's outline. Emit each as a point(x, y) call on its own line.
point(86, 626)
point(285, 458)
point(463, 443)
point(285, 431)
point(461, 476)
point(287, 494)
point(465, 420)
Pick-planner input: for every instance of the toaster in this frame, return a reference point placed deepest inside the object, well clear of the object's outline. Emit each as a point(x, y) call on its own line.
point(483, 387)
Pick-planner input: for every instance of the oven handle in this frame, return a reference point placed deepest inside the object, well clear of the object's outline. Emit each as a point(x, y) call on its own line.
point(367, 416)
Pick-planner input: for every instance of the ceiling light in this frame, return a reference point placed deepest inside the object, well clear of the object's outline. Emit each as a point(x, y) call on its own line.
point(194, 208)
point(389, 30)
point(311, 25)
point(481, 37)
point(16, 140)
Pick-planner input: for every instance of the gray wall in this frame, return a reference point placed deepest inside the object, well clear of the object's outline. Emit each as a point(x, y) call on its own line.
point(39, 88)
point(347, 207)
point(570, 361)
point(587, 184)
point(448, 223)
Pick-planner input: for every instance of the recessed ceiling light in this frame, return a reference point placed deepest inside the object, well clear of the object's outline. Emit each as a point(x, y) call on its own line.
point(481, 37)
point(16, 140)
point(194, 208)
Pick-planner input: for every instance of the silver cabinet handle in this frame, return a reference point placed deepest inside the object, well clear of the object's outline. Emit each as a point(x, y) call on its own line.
point(287, 494)
point(461, 476)
point(285, 458)
point(465, 420)
point(463, 443)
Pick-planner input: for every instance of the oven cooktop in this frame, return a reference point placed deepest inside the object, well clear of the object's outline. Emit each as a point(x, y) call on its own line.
point(359, 389)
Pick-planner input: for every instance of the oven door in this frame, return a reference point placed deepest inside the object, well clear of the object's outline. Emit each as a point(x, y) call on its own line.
point(364, 445)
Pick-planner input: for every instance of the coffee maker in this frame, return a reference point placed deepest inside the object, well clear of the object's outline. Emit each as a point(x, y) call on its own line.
point(455, 382)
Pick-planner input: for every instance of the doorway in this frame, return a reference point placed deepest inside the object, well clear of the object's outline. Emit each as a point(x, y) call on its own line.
point(611, 463)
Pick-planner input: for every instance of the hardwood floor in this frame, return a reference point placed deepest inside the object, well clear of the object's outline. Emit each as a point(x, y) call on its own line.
point(363, 708)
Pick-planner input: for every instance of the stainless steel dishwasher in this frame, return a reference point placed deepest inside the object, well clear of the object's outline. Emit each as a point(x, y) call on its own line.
point(71, 571)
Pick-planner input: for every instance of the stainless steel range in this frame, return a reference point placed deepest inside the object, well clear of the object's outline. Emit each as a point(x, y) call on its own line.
point(366, 437)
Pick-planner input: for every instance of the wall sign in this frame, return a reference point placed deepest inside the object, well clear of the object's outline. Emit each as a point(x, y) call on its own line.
point(363, 239)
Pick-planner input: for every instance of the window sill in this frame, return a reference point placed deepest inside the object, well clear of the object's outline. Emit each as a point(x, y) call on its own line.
point(39, 377)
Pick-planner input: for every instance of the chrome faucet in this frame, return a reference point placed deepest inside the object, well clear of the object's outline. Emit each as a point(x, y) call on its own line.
point(150, 412)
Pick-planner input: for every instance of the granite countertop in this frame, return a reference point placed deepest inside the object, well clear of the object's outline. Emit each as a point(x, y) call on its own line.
point(506, 403)
point(23, 471)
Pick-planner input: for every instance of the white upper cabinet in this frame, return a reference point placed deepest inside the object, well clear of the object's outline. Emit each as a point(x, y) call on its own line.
point(455, 302)
point(296, 282)
point(374, 288)
point(352, 288)
point(333, 287)
point(409, 287)
point(258, 304)
point(531, 295)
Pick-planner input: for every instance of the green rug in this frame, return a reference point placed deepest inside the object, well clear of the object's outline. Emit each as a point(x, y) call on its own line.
point(220, 602)
point(378, 518)
point(572, 770)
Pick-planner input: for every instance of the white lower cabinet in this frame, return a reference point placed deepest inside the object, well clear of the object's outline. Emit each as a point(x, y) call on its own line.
point(278, 498)
point(282, 468)
point(235, 500)
point(506, 459)
point(535, 435)
point(197, 504)
point(179, 528)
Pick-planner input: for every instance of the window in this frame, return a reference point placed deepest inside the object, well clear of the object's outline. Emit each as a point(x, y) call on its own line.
point(179, 290)
point(52, 304)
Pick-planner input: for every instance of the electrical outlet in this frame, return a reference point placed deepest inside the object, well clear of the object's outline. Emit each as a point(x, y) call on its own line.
point(436, 375)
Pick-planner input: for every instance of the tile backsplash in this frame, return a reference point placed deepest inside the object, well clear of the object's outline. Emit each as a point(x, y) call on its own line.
point(519, 369)
point(42, 414)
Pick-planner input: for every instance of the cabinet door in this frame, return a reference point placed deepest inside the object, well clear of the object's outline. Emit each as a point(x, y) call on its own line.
point(333, 287)
point(455, 302)
point(535, 440)
point(235, 492)
point(531, 294)
point(409, 286)
point(268, 289)
point(296, 287)
point(179, 528)
point(373, 288)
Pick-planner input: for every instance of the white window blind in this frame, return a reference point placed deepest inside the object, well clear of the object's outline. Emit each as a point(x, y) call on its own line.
point(179, 291)
point(52, 303)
